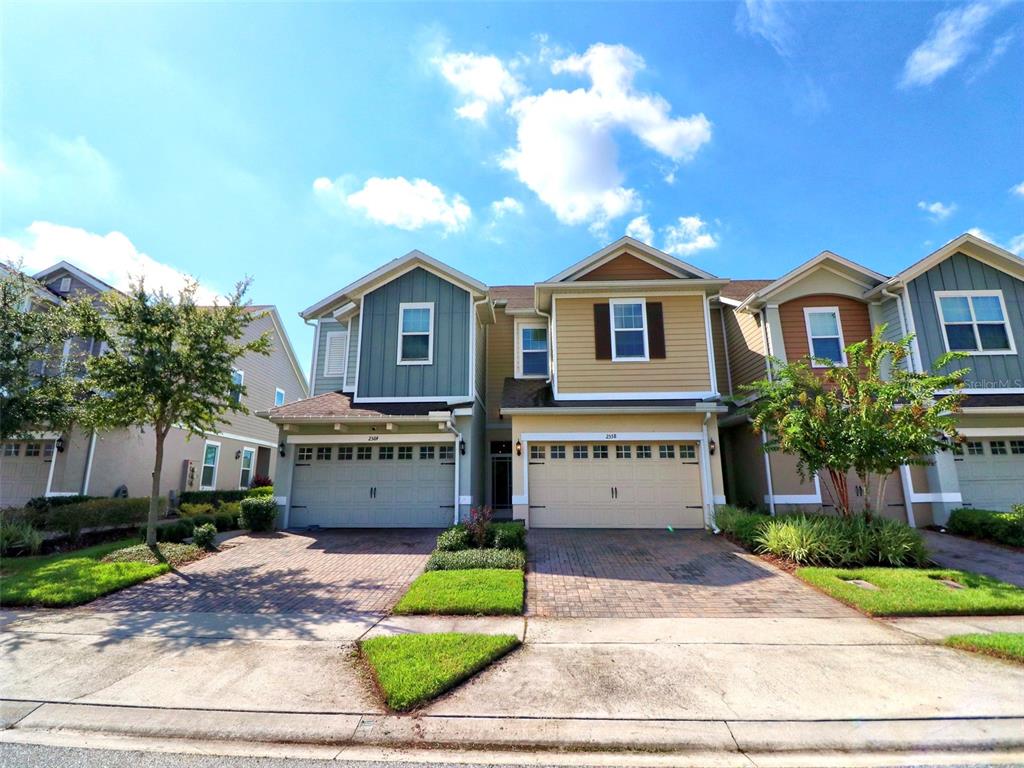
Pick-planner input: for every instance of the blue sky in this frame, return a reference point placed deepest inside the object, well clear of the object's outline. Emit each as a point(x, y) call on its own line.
point(307, 144)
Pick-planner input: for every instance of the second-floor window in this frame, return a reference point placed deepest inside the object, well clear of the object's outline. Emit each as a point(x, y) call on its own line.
point(415, 334)
point(533, 351)
point(824, 335)
point(278, 398)
point(237, 377)
point(629, 329)
point(974, 321)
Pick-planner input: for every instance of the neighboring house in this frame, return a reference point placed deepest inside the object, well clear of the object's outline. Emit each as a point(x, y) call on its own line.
point(98, 463)
point(610, 396)
point(392, 434)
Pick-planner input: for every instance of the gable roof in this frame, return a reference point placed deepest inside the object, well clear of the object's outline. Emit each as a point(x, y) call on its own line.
point(71, 269)
point(672, 265)
point(391, 270)
point(971, 245)
point(824, 260)
point(38, 289)
point(737, 290)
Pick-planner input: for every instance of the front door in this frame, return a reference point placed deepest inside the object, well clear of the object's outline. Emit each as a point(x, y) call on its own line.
point(501, 474)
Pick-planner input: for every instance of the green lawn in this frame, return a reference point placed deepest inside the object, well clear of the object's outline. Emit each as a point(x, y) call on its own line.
point(71, 578)
point(412, 669)
point(917, 592)
point(484, 591)
point(1005, 645)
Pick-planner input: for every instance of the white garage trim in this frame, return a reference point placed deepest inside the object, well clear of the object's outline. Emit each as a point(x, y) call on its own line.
point(991, 431)
point(425, 437)
point(913, 497)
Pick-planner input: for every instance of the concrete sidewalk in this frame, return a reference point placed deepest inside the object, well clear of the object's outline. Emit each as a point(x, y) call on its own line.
point(726, 685)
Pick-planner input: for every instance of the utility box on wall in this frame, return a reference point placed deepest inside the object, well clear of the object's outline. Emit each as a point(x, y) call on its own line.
point(188, 475)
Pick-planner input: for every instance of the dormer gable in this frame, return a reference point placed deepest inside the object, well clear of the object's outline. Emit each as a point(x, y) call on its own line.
point(629, 259)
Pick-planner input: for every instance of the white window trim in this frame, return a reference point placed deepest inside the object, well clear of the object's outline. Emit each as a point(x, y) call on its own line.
point(277, 391)
point(241, 467)
point(808, 311)
point(520, 326)
point(939, 295)
point(203, 465)
point(328, 372)
point(64, 285)
point(430, 332)
point(611, 322)
point(241, 383)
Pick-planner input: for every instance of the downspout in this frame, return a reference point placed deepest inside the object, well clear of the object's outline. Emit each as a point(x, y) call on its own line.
point(88, 464)
point(708, 479)
point(764, 437)
point(450, 427)
point(915, 363)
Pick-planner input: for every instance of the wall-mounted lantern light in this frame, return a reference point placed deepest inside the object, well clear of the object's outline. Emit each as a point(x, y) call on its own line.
point(60, 444)
point(238, 455)
point(462, 447)
point(519, 448)
point(711, 447)
point(280, 449)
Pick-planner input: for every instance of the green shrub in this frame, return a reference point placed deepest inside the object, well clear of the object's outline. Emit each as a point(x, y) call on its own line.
point(225, 522)
point(258, 513)
point(199, 520)
point(232, 508)
point(211, 497)
point(175, 532)
point(204, 535)
point(898, 544)
point(1000, 527)
point(194, 510)
point(507, 536)
point(46, 503)
point(740, 524)
point(174, 554)
point(840, 542)
point(98, 513)
point(19, 537)
point(469, 559)
point(454, 539)
point(261, 490)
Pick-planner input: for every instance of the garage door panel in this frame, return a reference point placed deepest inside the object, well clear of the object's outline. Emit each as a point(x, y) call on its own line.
point(990, 472)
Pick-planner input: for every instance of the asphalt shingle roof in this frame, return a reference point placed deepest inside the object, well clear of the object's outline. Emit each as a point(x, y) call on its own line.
point(338, 405)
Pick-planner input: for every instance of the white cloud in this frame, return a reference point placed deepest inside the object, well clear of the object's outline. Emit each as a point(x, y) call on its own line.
point(1016, 245)
point(483, 81)
point(767, 19)
point(566, 151)
point(1018, 189)
point(506, 206)
point(951, 39)
point(111, 257)
point(937, 211)
point(999, 48)
point(398, 202)
point(640, 228)
point(979, 232)
point(688, 235)
point(58, 173)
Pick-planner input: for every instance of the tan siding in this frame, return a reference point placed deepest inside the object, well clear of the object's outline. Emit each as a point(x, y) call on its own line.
point(500, 360)
point(746, 484)
point(745, 341)
point(718, 343)
point(627, 267)
point(684, 369)
point(853, 314)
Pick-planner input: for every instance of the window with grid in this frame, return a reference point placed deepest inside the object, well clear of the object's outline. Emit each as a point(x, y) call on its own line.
point(446, 453)
point(415, 341)
point(629, 329)
point(666, 451)
point(345, 453)
point(364, 453)
point(304, 453)
point(998, 447)
point(534, 351)
point(579, 452)
point(824, 335)
point(643, 451)
point(600, 451)
point(975, 448)
point(32, 449)
point(426, 453)
point(12, 449)
point(1017, 447)
point(687, 452)
point(405, 453)
point(536, 451)
point(557, 451)
point(974, 321)
point(48, 450)
point(386, 452)
point(623, 452)
point(323, 453)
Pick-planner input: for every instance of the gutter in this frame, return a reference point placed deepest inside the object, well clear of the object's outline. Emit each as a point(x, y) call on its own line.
point(569, 411)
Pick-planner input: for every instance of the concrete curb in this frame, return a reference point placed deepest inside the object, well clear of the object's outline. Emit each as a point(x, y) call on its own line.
point(949, 735)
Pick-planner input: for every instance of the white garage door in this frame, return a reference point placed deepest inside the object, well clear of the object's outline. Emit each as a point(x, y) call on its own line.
point(24, 468)
point(991, 473)
point(373, 486)
point(615, 485)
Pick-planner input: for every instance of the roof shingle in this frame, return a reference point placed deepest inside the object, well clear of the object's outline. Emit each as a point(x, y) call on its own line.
point(338, 405)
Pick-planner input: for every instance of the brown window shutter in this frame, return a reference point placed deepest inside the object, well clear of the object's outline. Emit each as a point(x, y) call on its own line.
point(655, 331)
point(602, 332)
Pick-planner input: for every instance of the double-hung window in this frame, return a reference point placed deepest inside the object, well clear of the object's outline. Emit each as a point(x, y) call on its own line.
point(824, 335)
point(237, 379)
point(248, 454)
point(208, 477)
point(975, 321)
point(415, 334)
point(533, 351)
point(629, 329)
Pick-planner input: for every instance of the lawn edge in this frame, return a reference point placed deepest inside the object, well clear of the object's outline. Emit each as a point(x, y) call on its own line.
point(993, 653)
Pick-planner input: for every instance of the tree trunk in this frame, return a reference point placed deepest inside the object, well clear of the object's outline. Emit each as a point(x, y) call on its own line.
point(881, 492)
point(154, 493)
point(842, 491)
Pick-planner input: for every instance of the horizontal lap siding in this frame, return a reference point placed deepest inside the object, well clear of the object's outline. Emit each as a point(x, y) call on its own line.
point(856, 324)
point(684, 369)
point(718, 344)
point(745, 341)
point(627, 267)
point(962, 273)
point(500, 360)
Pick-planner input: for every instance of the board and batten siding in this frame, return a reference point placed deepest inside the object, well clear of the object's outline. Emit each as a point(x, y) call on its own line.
point(447, 375)
point(745, 342)
point(321, 382)
point(962, 273)
point(891, 317)
point(855, 324)
point(685, 367)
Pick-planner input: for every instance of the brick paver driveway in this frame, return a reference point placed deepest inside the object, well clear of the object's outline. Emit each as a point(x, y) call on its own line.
point(658, 574)
point(992, 560)
point(328, 572)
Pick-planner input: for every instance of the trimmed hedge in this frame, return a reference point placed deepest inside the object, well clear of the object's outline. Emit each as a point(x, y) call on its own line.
point(470, 559)
point(261, 490)
point(1000, 527)
point(46, 503)
point(216, 498)
point(175, 532)
point(499, 536)
point(97, 513)
point(825, 540)
point(259, 513)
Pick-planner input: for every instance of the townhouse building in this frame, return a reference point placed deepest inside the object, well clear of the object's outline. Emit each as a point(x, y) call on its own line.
point(99, 463)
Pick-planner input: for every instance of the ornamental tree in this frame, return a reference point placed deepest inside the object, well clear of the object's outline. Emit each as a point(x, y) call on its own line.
point(168, 363)
point(39, 388)
point(841, 418)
